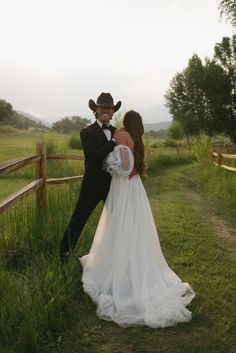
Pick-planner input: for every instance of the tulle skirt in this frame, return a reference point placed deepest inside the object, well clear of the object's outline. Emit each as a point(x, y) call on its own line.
point(125, 272)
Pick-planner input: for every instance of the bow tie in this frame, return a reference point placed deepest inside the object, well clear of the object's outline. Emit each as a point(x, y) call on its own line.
point(104, 126)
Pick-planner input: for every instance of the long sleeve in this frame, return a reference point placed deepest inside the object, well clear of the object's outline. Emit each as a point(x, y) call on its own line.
point(124, 138)
point(120, 161)
point(91, 150)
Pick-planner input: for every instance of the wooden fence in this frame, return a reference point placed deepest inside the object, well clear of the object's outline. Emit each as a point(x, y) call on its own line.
point(40, 184)
point(218, 160)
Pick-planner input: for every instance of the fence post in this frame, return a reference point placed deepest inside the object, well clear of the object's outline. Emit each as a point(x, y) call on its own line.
point(220, 158)
point(41, 193)
point(212, 156)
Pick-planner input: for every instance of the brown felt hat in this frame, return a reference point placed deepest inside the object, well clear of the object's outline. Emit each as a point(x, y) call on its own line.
point(104, 100)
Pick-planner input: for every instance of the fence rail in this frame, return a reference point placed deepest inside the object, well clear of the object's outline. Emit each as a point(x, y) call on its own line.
point(21, 194)
point(218, 157)
point(38, 185)
point(13, 165)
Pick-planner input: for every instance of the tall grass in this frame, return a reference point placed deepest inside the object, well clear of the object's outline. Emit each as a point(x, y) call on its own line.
point(160, 159)
point(23, 146)
point(217, 183)
point(74, 142)
point(34, 289)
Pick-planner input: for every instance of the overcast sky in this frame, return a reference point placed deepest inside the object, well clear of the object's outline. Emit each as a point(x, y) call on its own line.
point(57, 54)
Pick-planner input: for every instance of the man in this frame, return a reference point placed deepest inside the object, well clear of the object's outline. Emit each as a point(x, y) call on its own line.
point(97, 142)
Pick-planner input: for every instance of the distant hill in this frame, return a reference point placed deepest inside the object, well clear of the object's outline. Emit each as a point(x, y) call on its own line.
point(163, 125)
point(34, 118)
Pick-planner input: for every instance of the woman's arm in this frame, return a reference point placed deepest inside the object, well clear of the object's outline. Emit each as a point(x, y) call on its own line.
point(123, 138)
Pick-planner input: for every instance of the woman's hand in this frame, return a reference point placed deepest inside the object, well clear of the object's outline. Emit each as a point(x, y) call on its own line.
point(132, 173)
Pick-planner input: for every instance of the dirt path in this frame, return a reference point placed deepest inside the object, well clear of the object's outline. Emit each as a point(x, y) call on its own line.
point(222, 228)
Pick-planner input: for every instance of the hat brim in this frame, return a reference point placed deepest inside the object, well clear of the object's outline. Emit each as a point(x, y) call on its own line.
point(93, 106)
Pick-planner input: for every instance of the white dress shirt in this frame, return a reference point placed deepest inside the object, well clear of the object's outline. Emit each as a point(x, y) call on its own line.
point(106, 131)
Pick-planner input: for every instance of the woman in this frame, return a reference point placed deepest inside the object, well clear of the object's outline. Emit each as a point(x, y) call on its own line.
point(125, 272)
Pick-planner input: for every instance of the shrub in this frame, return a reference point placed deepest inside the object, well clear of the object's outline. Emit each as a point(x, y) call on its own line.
point(50, 146)
point(7, 129)
point(164, 159)
point(74, 142)
point(217, 182)
point(169, 142)
point(203, 150)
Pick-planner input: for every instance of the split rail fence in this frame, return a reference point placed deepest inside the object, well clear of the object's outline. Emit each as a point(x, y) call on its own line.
point(40, 184)
point(218, 160)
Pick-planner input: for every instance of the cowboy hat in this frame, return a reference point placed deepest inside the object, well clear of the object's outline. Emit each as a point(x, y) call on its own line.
point(104, 100)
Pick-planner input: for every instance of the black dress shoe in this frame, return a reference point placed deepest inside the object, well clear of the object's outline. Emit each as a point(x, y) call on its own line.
point(65, 257)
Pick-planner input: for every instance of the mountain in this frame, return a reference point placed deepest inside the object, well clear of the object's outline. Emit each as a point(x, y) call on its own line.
point(163, 125)
point(34, 118)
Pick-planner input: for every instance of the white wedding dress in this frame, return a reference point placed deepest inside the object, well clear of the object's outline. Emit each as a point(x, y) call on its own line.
point(125, 272)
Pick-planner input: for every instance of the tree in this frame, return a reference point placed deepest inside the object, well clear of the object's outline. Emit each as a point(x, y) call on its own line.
point(198, 97)
point(178, 103)
point(225, 55)
point(162, 133)
point(70, 124)
point(228, 7)
point(217, 89)
point(194, 83)
point(6, 112)
point(185, 97)
point(175, 131)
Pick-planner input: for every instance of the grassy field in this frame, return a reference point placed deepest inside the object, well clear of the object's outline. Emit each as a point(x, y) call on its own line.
point(23, 144)
point(198, 253)
point(43, 308)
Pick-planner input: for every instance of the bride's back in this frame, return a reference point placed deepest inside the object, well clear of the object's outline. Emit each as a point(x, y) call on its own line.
point(123, 137)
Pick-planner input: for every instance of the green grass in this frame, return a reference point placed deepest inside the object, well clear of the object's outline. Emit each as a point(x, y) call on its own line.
point(43, 307)
point(197, 255)
point(219, 187)
point(23, 144)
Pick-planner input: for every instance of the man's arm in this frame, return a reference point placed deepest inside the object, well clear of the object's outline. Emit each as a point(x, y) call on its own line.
point(91, 150)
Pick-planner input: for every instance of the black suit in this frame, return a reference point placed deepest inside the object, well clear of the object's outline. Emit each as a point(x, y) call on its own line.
point(95, 184)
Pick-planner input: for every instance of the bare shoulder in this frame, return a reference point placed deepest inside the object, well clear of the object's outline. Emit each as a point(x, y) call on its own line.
point(123, 137)
point(123, 132)
point(119, 130)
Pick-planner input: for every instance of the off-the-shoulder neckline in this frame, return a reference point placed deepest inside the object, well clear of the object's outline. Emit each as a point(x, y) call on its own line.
point(121, 130)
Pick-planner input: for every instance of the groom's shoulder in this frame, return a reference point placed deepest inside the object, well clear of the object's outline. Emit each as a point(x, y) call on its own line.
point(88, 128)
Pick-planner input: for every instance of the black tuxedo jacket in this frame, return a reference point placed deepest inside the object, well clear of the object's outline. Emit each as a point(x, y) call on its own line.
point(96, 147)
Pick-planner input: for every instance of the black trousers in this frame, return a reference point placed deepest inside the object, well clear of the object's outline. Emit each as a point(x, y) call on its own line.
point(83, 209)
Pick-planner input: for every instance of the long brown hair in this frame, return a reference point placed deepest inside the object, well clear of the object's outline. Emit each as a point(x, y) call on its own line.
point(134, 125)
